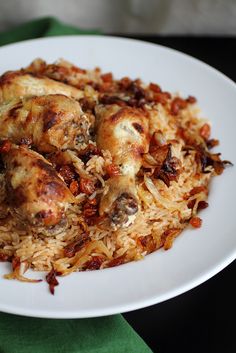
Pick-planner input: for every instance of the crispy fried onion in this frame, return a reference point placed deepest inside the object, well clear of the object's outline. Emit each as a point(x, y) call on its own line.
point(94, 264)
point(201, 145)
point(120, 260)
point(18, 269)
point(4, 257)
point(84, 255)
point(71, 249)
point(164, 166)
point(169, 236)
point(207, 160)
point(147, 243)
point(51, 280)
point(196, 198)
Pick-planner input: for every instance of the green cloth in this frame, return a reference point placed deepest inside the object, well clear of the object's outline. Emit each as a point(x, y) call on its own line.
point(111, 334)
point(43, 27)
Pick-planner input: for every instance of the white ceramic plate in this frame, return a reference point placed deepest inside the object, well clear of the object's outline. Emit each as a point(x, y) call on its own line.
point(197, 254)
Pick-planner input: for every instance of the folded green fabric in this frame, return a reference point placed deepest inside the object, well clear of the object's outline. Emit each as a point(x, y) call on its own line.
point(43, 27)
point(18, 334)
point(110, 334)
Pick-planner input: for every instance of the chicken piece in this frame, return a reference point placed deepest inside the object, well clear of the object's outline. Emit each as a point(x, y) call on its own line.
point(49, 122)
point(35, 192)
point(124, 132)
point(14, 84)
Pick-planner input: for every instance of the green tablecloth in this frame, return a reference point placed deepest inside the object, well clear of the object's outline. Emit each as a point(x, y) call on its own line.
point(43, 27)
point(18, 334)
point(110, 334)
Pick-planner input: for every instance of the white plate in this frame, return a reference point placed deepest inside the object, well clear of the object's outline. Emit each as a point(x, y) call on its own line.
point(197, 254)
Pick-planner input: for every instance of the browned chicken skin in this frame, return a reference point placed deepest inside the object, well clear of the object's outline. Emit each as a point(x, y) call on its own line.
point(50, 122)
point(124, 132)
point(32, 113)
point(35, 192)
point(15, 84)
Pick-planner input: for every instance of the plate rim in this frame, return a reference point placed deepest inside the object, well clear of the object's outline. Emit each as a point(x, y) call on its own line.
point(141, 304)
point(120, 38)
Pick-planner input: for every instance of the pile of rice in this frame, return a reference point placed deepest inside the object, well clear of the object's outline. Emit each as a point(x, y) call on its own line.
point(165, 209)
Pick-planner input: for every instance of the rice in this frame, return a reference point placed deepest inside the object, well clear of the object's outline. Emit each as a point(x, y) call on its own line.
point(165, 210)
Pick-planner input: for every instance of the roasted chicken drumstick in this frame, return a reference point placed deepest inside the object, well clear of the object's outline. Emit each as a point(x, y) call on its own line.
point(52, 122)
point(15, 84)
point(35, 193)
point(124, 132)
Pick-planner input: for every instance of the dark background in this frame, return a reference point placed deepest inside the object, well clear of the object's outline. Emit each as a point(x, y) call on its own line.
point(201, 320)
